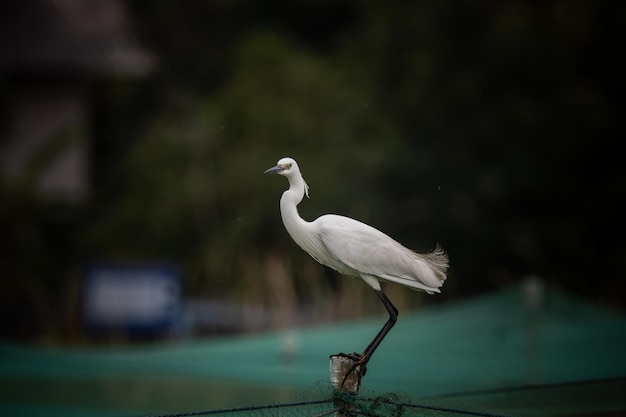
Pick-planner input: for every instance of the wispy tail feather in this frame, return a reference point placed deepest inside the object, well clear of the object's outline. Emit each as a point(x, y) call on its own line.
point(437, 259)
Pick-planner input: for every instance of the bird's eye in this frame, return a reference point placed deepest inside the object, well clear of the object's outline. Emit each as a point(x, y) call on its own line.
point(288, 166)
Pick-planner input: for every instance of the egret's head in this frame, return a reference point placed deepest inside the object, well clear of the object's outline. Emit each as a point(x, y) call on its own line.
point(286, 167)
point(289, 168)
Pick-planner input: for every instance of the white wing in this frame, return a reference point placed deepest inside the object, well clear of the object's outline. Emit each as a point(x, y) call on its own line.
point(366, 251)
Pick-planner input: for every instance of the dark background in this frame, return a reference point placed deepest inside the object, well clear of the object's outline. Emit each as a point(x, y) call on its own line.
point(491, 128)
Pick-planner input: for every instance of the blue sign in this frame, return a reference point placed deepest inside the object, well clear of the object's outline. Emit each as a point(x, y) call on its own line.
point(142, 298)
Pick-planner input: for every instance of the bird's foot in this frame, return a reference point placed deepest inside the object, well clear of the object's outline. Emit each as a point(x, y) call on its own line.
point(354, 357)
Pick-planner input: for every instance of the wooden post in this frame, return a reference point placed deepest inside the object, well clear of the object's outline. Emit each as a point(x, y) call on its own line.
point(340, 365)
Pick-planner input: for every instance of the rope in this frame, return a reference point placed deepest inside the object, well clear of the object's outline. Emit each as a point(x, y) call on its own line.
point(354, 404)
point(519, 388)
point(346, 402)
point(244, 409)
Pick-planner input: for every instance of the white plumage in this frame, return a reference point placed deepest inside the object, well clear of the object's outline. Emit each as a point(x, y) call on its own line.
point(356, 249)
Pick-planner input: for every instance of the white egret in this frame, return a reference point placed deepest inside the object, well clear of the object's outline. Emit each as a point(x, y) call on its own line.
point(355, 249)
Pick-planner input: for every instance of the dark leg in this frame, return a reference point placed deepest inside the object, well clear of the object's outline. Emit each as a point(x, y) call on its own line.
point(393, 317)
point(363, 358)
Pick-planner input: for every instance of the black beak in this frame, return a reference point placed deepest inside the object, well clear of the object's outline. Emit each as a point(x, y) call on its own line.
point(274, 170)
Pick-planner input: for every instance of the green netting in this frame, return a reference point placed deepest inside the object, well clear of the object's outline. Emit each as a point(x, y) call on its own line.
point(492, 343)
point(605, 397)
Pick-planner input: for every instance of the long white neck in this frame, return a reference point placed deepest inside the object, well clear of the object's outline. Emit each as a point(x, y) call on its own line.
point(289, 201)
